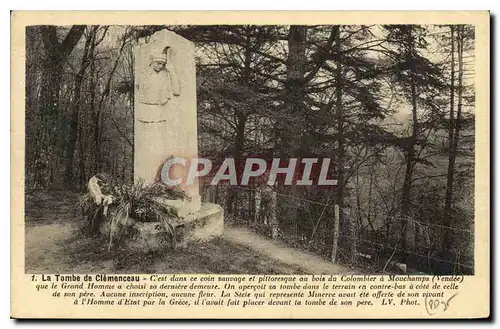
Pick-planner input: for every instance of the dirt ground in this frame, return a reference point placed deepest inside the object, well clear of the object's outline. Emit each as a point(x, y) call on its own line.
point(56, 244)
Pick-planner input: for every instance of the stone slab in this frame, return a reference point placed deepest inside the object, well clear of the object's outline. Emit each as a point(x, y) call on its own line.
point(167, 129)
point(203, 225)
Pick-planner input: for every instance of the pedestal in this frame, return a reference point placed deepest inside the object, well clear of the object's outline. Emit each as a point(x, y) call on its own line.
point(206, 224)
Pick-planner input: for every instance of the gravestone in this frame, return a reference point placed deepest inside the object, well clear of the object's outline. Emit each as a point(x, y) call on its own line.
point(165, 126)
point(165, 108)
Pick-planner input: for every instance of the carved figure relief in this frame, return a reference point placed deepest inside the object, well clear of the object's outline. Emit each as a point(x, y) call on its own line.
point(158, 82)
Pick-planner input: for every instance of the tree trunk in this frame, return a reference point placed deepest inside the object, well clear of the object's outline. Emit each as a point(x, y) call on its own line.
point(71, 146)
point(49, 112)
point(100, 108)
point(97, 143)
point(456, 136)
point(83, 175)
point(273, 219)
point(336, 231)
point(460, 91)
point(257, 206)
point(410, 162)
point(292, 132)
point(290, 129)
point(56, 54)
point(451, 137)
point(239, 145)
point(341, 162)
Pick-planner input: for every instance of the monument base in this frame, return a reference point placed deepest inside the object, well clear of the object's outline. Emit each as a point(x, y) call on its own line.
point(203, 225)
point(184, 208)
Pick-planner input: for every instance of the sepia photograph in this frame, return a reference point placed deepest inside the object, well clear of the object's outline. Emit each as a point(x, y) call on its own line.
point(250, 149)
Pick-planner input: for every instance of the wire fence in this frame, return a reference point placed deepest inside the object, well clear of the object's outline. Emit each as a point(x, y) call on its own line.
point(308, 223)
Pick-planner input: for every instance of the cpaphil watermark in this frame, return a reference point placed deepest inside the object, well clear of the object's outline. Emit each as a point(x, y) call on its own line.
point(249, 171)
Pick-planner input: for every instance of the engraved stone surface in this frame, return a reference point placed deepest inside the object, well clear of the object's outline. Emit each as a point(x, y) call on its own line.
point(206, 224)
point(166, 126)
point(157, 81)
point(165, 107)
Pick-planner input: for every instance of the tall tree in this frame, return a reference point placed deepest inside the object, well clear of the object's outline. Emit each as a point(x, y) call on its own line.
point(458, 36)
point(451, 133)
point(234, 88)
point(56, 53)
point(419, 80)
point(91, 42)
point(346, 93)
point(340, 118)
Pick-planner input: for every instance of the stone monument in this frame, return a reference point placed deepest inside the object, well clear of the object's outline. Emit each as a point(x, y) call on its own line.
point(165, 124)
point(165, 108)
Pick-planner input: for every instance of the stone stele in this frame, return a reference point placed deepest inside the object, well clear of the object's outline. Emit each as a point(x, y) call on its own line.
point(165, 125)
